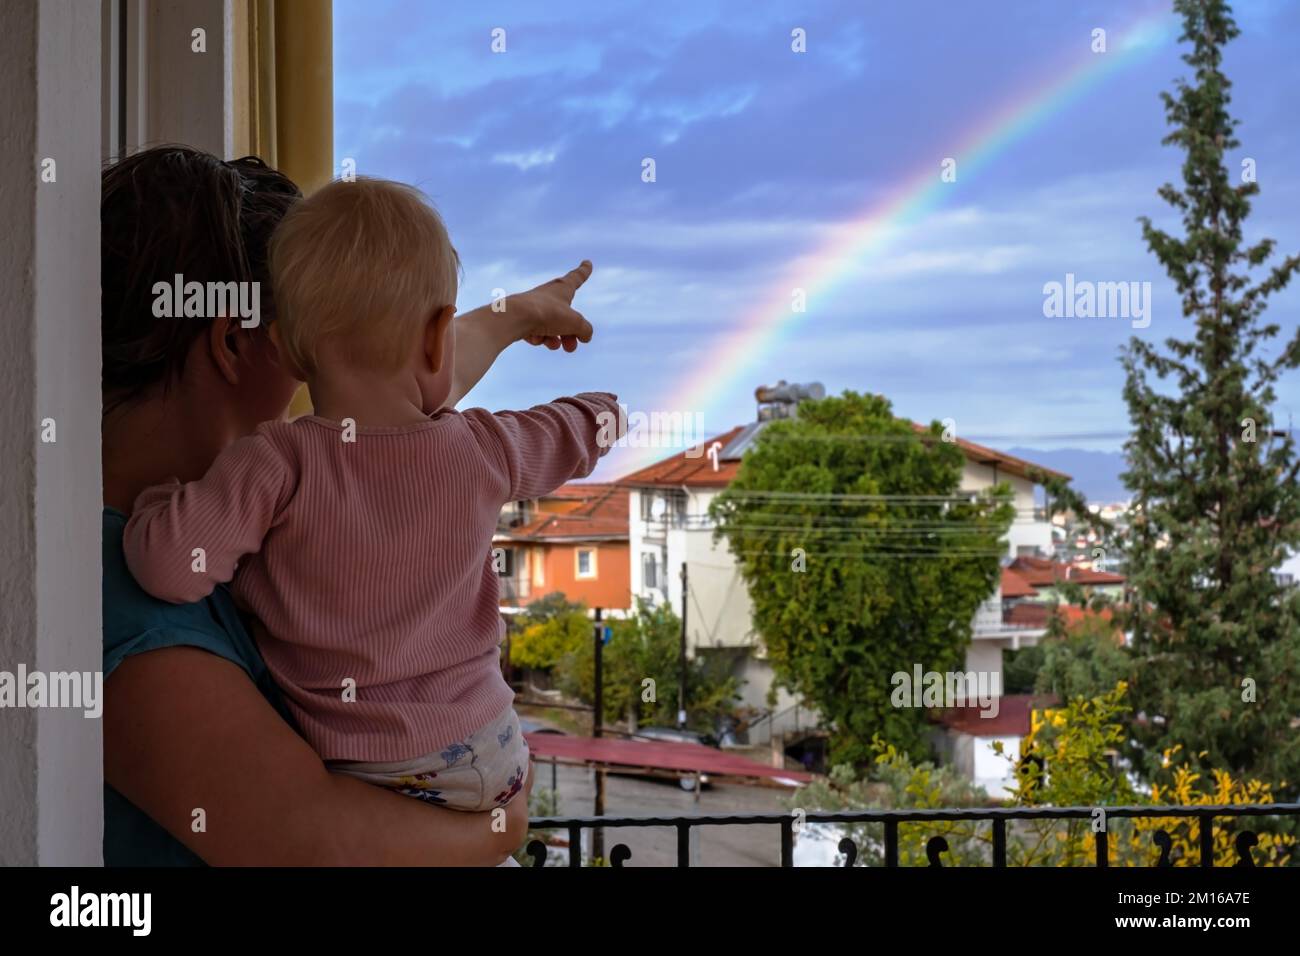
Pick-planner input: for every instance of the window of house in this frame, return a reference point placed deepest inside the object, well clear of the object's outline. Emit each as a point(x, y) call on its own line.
point(649, 571)
point(586, 562)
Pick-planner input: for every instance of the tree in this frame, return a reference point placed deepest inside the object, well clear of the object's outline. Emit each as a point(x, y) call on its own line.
point(894, 782)
point(1072, 749)
point(641, 672)
point(1074, 746)
point(861, 558)
point(1217, 506)
point(543, 643)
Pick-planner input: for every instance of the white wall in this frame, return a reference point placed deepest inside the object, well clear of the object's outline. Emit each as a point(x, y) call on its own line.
point(986, 656)
point(1025, 531)
point(50, 760)
point(1291, 566)
point(720, 613)
point(993, 771)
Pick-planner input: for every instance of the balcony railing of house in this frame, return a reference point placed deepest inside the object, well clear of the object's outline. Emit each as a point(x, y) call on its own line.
point(936, 846)
point(689, 522)
point(514, 589)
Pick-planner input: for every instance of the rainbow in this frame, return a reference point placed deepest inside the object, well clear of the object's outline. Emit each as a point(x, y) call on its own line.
point(732, 356)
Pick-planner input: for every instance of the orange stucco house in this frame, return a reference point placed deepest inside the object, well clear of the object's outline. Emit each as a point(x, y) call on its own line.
point(574, 540)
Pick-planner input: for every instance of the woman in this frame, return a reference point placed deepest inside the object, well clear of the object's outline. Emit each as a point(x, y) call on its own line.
point(200, 761)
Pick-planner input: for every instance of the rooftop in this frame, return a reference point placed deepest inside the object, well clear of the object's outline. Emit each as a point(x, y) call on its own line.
point(1011, 720)
point(1045, 573)
point(694, 468)
point(600, 515)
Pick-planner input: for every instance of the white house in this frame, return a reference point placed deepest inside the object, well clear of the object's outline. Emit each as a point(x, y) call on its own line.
point(670, 529)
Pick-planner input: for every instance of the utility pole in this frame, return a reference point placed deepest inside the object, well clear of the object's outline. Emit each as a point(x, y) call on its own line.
point(694, 833)
point(597, 721)
point(681, 683)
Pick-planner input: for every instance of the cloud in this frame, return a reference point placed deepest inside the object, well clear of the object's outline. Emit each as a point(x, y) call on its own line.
point(526, 161)
point(767, 161)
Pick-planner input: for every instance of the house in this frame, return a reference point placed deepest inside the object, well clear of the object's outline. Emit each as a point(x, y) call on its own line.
point(671, 537)
point(1043, 577)
point(574, 541)
point(966, 740)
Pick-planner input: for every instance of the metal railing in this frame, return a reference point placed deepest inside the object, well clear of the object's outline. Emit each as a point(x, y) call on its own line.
point(689, 522)
point(936, 846)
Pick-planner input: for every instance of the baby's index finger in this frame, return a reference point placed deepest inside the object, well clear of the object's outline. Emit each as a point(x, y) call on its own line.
point(576, 277)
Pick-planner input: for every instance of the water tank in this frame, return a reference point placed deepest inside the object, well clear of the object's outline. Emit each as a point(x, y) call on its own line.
point(789, 393)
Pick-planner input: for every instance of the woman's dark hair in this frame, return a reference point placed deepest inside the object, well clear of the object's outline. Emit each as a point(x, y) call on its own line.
point(170, 210)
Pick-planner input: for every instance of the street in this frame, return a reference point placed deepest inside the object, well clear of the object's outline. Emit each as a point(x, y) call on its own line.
point(757, 845)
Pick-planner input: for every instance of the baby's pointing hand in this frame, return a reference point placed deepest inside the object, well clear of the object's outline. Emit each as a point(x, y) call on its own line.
point(548, 314)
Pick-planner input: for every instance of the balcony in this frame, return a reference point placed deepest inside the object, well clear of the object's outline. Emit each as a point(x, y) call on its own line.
point(657, 526)
point(936, 846)
point(514, 589)
point(990, 624)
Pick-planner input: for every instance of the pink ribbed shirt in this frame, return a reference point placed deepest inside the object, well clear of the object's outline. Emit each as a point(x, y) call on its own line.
point(369, 560)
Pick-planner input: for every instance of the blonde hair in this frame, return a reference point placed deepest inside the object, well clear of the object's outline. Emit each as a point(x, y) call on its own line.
point(367, 261)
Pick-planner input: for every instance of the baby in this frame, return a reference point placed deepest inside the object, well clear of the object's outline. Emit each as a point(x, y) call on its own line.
point(359, 537)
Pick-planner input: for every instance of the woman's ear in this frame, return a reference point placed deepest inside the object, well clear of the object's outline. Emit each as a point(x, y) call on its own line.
point(435, 337)
point(223, 344)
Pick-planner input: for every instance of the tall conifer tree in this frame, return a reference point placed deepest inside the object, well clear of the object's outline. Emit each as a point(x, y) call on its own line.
point(1216, 639)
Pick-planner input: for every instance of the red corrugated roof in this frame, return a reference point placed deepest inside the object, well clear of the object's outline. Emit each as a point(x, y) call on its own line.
point(655, 755)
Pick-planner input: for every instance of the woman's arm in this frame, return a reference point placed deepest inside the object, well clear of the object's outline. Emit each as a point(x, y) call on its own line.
point(185, 729)
point(541, 316)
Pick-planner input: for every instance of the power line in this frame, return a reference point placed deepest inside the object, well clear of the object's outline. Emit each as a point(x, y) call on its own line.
point(859, 555)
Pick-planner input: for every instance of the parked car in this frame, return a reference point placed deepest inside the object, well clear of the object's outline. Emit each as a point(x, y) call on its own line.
point(677, 735)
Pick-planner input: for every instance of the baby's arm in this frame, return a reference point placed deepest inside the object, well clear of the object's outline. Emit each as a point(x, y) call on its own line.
point(185, 539)
point(541, 448)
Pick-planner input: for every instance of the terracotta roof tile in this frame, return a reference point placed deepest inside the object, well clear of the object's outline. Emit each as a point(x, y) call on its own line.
point(991, 456)
point(1044, 572)
point(603, 514)
point(1015, 586)
point(1012, 719)
point(678, 470)
point(695, 472)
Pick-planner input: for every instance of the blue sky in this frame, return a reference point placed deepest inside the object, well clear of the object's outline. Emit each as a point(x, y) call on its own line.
point(534, 158)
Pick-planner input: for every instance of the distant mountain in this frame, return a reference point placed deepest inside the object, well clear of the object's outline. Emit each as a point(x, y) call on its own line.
point(1096, 473)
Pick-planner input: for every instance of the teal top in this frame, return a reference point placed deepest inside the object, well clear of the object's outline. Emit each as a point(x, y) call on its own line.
point(135, 622)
